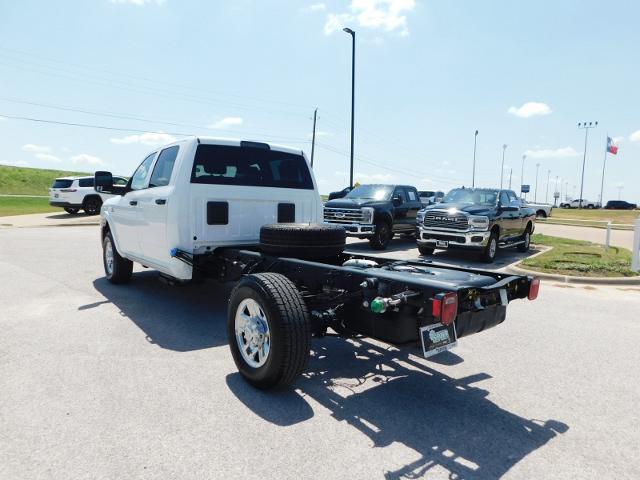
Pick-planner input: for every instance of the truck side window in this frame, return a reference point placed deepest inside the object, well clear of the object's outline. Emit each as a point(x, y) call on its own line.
point(164, 166)
point(504, 198)
point(140, 176)
point(412, 195)
point(399, 192)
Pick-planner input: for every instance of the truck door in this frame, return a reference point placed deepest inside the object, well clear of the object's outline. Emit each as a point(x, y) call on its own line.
point(126, 216)
point(153, 203)
point(400, 209)
point(510, 220)
point(413, 205)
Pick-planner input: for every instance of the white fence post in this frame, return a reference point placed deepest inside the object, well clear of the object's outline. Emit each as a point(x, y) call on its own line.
point(635, 262)
point(607, 243)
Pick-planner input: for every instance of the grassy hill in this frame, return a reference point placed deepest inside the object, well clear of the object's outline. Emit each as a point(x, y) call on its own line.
point(29, 181)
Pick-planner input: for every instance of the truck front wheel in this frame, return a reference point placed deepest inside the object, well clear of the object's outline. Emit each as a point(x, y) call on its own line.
point(490, 251)
point(269, 330)
point(381, 237)
point(116, 268)
point(425, 250)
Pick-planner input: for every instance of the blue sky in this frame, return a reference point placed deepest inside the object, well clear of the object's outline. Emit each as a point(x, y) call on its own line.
point(428, 74)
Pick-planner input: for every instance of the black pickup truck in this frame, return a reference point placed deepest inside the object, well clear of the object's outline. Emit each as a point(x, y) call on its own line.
point(484, 219)
point(376, 212)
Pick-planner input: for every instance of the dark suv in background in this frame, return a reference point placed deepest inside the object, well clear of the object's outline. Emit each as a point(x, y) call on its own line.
point(376, 212)
point(619, 205)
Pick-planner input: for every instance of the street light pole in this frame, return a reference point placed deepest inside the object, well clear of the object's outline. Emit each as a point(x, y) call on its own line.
point(313, 138)
point(546, 195)
point(353, 88)
point(475, 141)
point(586, 128)
point(522, 173)
point(535, 195)
point(504, 147)
point(510, 175)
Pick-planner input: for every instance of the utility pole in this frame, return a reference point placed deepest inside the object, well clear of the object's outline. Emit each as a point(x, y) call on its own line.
point(584, 155)
point(475, 141)
point(546, 195)
point(510, 175)
point(524, 157)
point(620, 187)
point(555, 190)
point(535, 195)
point(504, 147)
point(604, 164)
point(313, 138)
point(353, 90)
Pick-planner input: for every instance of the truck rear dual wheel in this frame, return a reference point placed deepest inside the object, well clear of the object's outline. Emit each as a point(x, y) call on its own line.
point(269, 330)
point(303, 240)
point(524, 247)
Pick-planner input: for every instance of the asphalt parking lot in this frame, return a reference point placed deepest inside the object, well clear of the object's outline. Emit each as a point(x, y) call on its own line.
point(103, 381)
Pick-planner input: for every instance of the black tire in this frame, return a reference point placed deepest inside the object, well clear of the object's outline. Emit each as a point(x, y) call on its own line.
point(489, 253)
point(303, 240)
point(381, 237)
point(541, 214)
point(425, 250)
point(289, 329)
point(590, 207)
point(524, 247)
point(91, 205)
point(71, 211)
point(121, 268)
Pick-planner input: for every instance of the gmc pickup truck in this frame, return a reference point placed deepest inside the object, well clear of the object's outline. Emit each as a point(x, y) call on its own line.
point(248, 212)
point(376, 212)
point(483, 219)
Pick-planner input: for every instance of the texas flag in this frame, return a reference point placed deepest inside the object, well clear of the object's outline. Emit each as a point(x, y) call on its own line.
point(611, 147)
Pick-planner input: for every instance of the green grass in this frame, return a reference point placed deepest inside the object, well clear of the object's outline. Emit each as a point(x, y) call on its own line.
point(29, 181)
point(580, 258)
point(25, 205)
point(615, 216)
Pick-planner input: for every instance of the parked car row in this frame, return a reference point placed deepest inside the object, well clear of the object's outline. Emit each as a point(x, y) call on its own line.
point(77, 193)
point(482, 219)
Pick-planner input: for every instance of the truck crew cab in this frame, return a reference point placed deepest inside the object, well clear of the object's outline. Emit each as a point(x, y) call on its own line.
point(376, 212)
point(483, 219)
point(248, 212)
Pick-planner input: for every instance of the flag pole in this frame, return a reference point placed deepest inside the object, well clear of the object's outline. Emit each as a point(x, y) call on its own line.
point(604, 164)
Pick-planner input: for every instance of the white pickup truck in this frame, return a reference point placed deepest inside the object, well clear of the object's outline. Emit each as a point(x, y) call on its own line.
point(247, 212)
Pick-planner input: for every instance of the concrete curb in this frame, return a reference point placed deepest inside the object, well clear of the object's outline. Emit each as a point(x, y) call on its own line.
point(519, 270)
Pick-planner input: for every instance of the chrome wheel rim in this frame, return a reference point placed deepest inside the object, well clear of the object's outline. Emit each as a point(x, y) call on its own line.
point(108, 257)
point(252, 333)
point(492, 247)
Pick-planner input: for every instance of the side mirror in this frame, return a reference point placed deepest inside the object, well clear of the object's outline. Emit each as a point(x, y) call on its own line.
point(513, 206)
point(396, 200)
point(103, 182)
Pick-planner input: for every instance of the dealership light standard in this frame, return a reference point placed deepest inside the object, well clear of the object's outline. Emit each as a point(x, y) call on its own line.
point(535, 194)
point(353, 88)
point(522, 173)
point(546, 195)
point(475, 141)
point(504, 147)
point(586, 128)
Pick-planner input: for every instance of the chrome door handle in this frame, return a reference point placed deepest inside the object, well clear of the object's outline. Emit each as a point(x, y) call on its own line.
point(161, 201)
point(133, 202)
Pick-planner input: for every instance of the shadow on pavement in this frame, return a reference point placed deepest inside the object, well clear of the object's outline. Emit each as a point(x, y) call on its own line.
point(406, 249)
point(181, 318)
point(390, 397)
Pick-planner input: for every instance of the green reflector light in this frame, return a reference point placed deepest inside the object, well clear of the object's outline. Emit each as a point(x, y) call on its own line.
point(377, 305)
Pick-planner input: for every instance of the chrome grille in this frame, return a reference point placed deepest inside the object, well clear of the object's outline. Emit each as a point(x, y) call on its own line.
point(442, 219)
point(342, 215)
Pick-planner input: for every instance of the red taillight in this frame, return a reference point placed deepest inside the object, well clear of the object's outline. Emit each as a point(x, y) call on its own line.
point(534, 288)
point(68, 190)
point(444, 307)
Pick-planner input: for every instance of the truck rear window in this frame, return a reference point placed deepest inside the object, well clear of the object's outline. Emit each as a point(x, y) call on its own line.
point(249, 166)
point(61, 183)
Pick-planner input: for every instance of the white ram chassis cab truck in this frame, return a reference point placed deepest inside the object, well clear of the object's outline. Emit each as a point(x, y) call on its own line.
point(248, 212)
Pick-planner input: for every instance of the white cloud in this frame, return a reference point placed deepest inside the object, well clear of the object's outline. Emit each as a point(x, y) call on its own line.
point(317, 7)
point(373, 178)
point(139, 3)
point(386, 15)
point(565, 152)
point(151, 139)
point(3, 119)
point(86, 159)
point(47, 157)
point(530, 109)
point(31, 148)
point(635, 136)
point(18, 163)
point(617, 140)
point(226, 122)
